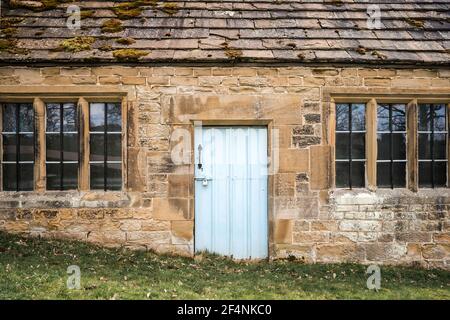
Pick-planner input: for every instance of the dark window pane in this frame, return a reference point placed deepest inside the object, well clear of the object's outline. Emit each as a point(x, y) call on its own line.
point(440, 146)
point(342, 174)
point(9, 147)
point(399, 146)
point(439, 118)
point(383, 174)
point(398, 117)
point(97, 117)
point(358, 146)
point(26, 121)
point(383, 117)
point(70, 147)
point(114, 147)
point(69, 117)
point(384, 150)
point(26, 176)
point(342, 146)
point(440, 173)
point(70, 180)
point(97, 176)
point(9, 117)
point(358, 117)
point(9, 177)
point(425, 174)
point(53, 117)
point(358, 174)
point(114, 181)
point(97, 146)
point(53, 147)
point(53, 176)
point(424, 115)
point(399, 174)
point(342, 114)
point(424, 146)
point(26, 147)
point(114, 117)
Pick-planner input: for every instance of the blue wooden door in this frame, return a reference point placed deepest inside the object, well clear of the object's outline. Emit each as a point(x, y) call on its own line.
point(231, 191)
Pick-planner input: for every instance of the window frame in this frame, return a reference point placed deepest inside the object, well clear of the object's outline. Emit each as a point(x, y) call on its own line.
point(391, 132)
point(372, 101)
point(433, 132)
point(17, 135)
point(350, 131)
point(61, 134)
point(39, 97)
point(105, 134)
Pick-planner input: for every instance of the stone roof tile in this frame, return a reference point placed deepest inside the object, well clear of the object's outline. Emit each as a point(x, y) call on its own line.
point(310, 31)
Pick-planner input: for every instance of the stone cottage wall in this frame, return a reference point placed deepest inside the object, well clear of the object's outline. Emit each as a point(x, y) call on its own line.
point(308, 219)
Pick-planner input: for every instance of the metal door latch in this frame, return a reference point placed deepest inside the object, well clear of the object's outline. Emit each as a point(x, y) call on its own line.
point(200, 165)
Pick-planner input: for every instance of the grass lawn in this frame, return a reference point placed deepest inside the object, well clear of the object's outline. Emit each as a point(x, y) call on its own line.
point(37, 269)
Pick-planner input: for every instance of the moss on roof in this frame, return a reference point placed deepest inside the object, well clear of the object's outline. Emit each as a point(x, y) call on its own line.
point(129, 54)
point(77, 44)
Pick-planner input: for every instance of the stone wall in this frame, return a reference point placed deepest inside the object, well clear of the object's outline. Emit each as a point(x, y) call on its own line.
point(308, 219)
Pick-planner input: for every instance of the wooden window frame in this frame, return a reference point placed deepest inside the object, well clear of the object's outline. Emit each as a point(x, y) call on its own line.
point(17, 134)
point(372, 101)
point(350, 160)
point(391, 133)
point(39, 96)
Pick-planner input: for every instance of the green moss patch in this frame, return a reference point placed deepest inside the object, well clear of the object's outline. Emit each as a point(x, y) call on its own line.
point(361, 50)
point(42, 5)
point(379, 55)
point(129, 54)
point(127, 10)
point(106, 47)
point(415, 22)
point(9, 32)
point(8, 22)
point(10, 45)
point(170, 8)
point(112, 26)
point(125, 41)
point(230, 52)
point(77, 44)
point(132, 9)
point(84, 14)
point(233, 53)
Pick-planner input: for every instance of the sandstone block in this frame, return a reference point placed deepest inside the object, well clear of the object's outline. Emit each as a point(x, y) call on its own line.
point(319, 163)
point(303, 253)
point(360, 225)
point(284, 184)
point(130, 225)
point(180, 185)
point(149, 237)
point(293, 160)
point(340, 253)
point(170, 208)
point(283, 231)
point(133, 80)
point(436, 251)
point(155, 225)
point(311, 237)
point(385, 251)
point(183, 229)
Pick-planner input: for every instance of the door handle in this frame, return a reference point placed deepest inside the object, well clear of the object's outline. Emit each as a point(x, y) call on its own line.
point(200, 165)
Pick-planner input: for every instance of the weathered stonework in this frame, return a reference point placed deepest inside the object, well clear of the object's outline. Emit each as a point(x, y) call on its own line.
point(308, 218)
